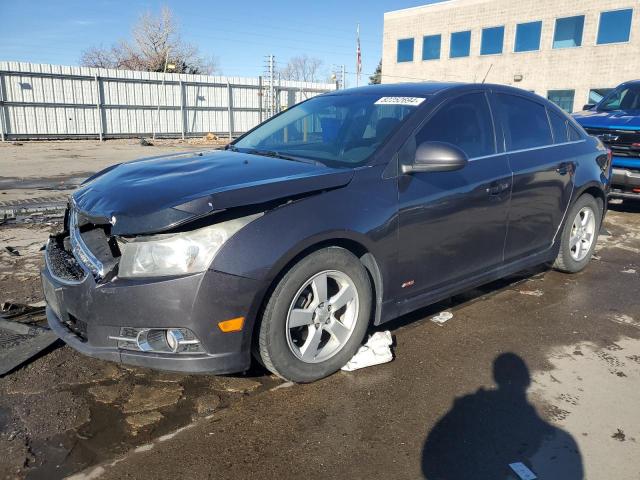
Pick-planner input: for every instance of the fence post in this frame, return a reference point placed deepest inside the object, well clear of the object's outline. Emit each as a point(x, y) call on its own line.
point(230, 109)
point(260, 95)
point(182, 111)
point(2, 108)
point(99, 102)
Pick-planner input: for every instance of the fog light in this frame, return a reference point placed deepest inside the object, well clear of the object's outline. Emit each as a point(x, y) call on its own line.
point(174, 339)
point(158, 340)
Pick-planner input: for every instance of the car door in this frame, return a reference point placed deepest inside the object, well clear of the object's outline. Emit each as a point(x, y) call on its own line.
point(543, 173)
point(452, 225)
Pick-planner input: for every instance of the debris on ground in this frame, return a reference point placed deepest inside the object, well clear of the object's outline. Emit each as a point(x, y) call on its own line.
point(376, 351)
point(21, 338)
point(532, 293)
point(619, 435)
point(207, 404)
point(145, 143)
point(629, 270)
point(442, 318)
point(522, 471)
point(12, 251)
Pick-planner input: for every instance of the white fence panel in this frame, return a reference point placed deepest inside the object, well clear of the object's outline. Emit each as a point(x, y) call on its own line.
point(56, 101)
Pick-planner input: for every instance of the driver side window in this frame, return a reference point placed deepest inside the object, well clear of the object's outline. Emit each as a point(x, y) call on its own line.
point(464, 122)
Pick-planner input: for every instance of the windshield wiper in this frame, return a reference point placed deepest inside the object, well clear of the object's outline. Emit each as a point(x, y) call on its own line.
point(274, 154)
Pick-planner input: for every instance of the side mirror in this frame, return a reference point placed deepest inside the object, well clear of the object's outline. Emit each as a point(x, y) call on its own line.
point(436, 157)
point(588, 106)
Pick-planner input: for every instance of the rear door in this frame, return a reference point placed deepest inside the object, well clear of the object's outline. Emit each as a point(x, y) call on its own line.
point(453, 224)
point(543, 169)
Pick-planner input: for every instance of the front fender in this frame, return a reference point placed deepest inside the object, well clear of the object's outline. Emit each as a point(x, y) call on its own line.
point(264, 247)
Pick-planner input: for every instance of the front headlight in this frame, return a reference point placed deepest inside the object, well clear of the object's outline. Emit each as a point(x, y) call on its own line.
point(176, 253)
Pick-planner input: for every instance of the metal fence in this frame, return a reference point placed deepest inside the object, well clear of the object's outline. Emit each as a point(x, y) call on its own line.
point(54, 101)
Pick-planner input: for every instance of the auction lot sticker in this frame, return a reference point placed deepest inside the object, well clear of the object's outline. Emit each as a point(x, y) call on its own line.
point(411, 101)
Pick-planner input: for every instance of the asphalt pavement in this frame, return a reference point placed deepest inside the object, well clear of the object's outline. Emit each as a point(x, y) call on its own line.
point(540, 370)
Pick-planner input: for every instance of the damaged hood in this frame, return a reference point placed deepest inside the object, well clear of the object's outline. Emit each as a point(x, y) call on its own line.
point(156, 194)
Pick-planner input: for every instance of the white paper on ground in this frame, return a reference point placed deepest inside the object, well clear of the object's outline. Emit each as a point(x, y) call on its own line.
point(522, 471)
point(376, 351)
point(442, 317)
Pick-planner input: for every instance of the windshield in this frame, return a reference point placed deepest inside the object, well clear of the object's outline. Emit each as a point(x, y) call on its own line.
point(337, 130)
point(626, 98)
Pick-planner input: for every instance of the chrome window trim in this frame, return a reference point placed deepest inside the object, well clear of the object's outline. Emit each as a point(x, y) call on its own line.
point(542, 147)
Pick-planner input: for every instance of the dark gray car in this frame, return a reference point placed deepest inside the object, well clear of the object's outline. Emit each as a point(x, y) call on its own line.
point(343, 212)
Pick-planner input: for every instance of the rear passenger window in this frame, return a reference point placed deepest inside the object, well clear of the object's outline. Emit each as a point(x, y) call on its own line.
point(574, 134)
point(465, 122)
point(524, 122)
point(558, 126)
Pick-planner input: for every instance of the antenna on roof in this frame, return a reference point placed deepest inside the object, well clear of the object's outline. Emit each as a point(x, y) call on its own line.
point(487, 74)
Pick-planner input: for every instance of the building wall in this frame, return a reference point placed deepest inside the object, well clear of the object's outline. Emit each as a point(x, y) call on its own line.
point(580, 68)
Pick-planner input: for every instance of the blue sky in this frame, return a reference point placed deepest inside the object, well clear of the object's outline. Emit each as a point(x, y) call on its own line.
point(238, 33)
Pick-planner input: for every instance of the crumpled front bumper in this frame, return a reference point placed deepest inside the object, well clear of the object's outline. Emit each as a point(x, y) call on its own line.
point(85, 314)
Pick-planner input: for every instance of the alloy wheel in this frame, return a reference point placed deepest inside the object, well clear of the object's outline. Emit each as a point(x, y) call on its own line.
point(582, 234)
point(322, 316)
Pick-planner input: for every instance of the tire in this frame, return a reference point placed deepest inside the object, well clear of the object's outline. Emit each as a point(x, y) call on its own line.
point(296, 320)
point(582, 232)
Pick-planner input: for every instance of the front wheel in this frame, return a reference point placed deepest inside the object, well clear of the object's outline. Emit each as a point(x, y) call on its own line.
point(316, 317)
point(579, 235)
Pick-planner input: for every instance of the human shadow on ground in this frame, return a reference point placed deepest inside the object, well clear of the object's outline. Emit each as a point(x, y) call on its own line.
point(486, 431)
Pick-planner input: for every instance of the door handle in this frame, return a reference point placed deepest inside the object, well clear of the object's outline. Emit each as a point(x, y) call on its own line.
point(496, 188)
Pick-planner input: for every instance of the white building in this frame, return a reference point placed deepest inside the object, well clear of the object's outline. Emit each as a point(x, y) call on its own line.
point(570, 51)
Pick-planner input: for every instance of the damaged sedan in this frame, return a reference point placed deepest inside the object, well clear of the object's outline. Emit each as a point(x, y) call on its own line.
point(341, 213)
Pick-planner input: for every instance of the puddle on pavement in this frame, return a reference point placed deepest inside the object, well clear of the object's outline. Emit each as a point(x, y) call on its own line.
point(126, 407)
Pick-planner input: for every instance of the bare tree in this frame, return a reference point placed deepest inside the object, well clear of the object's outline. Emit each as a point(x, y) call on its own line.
point(155, 41)
point(304, 69)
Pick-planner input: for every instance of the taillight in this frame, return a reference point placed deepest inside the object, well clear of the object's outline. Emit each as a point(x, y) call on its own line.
point(604, 161)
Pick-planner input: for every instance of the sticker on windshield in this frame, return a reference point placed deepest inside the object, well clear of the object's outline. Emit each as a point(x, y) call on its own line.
point(411, 101)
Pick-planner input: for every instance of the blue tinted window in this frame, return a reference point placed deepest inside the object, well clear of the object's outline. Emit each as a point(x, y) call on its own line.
point(460, 44)
point(492, 40)
point(528, 36)
point(405, 50)
point(431, 47)
point(615, 26)
point(568, 32)
point(562, 98)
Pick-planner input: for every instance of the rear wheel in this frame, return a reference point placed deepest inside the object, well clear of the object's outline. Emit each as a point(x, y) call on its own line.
point(579, 235)
point(316, 317)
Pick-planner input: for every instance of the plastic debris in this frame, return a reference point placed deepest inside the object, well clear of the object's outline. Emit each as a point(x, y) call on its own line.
point(522, 471)
point(12, 251)
point(442, 318)
point(629, 270)
point(533, 293)
point(376, 351)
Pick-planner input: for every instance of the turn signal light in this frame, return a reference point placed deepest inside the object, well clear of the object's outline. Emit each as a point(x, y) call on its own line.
point(233, 325)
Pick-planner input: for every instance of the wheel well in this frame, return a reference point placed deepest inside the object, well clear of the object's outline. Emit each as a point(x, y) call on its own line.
point(359, 250)
point(596, 193)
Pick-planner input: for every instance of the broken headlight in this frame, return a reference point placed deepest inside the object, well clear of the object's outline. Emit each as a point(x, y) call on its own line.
point(176, 253)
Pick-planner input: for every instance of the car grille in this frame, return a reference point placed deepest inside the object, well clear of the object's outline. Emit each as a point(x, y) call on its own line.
point(621, 142)
point(62, 264)
point(76, 326)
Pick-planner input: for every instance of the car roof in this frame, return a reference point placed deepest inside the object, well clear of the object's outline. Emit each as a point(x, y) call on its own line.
point(421, 89)
point(399, 89)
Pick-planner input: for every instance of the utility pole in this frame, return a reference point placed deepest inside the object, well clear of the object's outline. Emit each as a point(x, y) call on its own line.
point(271, 86)
point(343, 77)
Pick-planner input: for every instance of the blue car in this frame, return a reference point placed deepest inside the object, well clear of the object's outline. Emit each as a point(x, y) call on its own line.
point(616, 121)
